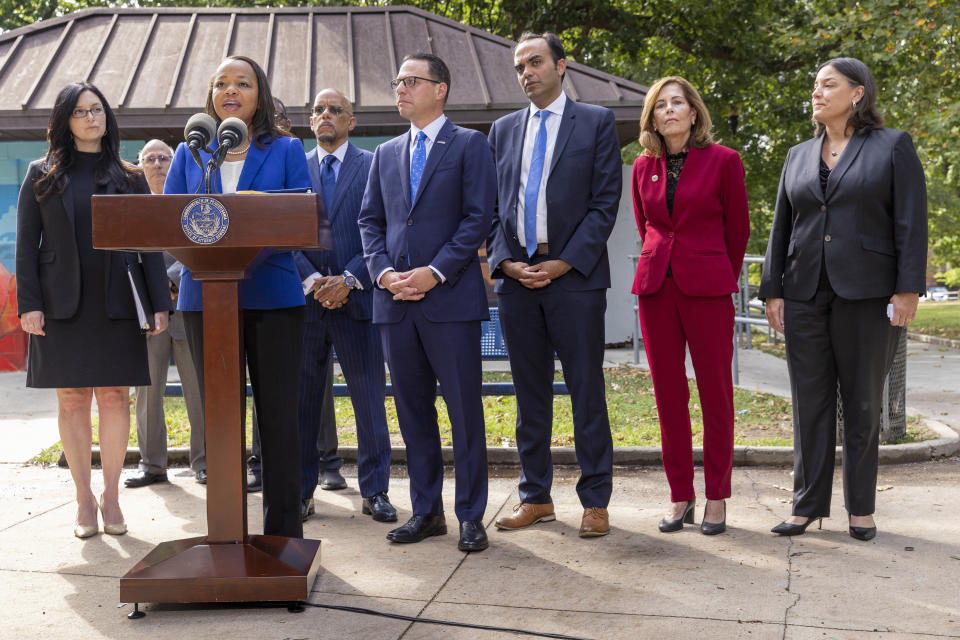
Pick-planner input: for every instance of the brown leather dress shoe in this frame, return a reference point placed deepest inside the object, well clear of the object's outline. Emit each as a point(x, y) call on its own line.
point(526, 514)
point(596, 522)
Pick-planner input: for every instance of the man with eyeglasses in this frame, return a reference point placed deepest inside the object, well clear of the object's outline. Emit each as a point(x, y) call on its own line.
point(339, 297)
point(426, 211)
point(155, 159)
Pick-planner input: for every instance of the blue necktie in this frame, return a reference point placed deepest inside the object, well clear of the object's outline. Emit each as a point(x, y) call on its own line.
point(417, 162)
point(328, 182)
point(532, 188)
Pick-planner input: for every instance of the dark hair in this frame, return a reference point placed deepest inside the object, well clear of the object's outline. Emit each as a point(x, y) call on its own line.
point(438, 68)
point(280, 114)
point(110, 168)
point(864, 117)
point(263, 127)
point(553, 41)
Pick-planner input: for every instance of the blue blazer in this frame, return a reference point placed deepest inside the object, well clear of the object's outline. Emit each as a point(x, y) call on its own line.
point(274, 282)
point(347, 251)
point(446, 225)
point(583, 195)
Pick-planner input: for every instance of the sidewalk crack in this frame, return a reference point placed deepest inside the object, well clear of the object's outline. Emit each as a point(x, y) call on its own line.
point(433, 598)
point(796, 596)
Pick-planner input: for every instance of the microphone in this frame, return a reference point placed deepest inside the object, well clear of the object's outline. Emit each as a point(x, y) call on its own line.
point(232, 133)
point(198, 134)
point(199, 131)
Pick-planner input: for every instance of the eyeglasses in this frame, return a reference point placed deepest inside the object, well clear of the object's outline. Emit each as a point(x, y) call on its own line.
point(410, 82)
point(156, 158)
point(333, 109)
point(79, 114)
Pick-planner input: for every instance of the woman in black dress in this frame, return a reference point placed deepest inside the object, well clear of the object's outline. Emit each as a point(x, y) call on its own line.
point(75, 301)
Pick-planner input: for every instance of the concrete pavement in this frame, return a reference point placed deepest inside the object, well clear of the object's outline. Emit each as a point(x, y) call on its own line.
point(634, 583)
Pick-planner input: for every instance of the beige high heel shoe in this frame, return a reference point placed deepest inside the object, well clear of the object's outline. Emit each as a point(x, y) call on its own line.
point(85, 530)
point(112, 529)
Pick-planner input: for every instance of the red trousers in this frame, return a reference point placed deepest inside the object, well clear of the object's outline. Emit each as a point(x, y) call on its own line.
point(669, 321)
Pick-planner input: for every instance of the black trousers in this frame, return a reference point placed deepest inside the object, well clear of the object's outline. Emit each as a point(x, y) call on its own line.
point(831, 339)
point(272, 342)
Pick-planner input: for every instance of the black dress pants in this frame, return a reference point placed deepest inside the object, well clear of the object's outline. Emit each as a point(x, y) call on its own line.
point(831, 339)
point(272, 343)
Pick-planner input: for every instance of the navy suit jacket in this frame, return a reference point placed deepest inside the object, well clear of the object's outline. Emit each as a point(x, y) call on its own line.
point(444, 227)
point(583, 195)
point(273, 283)
point(347, 251)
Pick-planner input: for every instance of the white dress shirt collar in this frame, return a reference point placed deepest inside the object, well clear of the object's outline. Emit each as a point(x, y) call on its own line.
point(432, 130)
point(556, 107)
point(339, 153)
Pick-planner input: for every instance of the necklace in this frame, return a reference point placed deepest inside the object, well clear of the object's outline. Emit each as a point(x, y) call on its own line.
point(240, 152)
point(832, 152)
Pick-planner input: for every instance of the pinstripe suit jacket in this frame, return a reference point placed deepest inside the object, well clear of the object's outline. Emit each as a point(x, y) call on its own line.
point(347, 251)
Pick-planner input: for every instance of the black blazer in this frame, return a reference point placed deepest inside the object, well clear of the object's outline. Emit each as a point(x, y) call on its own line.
point(48, 261)
point(870, 229)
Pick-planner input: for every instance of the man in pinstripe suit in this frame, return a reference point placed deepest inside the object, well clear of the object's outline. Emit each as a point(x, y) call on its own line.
point(338, 315)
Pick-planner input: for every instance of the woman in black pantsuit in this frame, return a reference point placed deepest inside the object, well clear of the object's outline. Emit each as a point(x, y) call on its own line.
point(75, 301)
point(844, 268)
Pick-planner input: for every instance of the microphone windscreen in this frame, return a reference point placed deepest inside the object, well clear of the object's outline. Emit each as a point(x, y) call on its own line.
point(236, 125)
point(202, 123)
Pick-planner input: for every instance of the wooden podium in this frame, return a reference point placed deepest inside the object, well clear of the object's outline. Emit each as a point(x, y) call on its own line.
point(228, 564)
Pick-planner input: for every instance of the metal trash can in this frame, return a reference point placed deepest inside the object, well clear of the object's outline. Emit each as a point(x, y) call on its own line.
point(893, 414)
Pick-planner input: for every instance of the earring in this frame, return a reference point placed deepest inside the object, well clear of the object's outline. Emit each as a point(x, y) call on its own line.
point(854, 104)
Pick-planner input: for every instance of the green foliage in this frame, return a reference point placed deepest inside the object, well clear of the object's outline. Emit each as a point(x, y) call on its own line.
point(754, 63)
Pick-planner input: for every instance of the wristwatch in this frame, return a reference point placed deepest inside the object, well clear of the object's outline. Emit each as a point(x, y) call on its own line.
point(350, 280)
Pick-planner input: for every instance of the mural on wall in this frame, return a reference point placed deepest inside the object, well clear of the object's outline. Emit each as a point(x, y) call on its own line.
point(13, 341)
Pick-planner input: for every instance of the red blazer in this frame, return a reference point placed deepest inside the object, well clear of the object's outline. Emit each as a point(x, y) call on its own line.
point(704, 241)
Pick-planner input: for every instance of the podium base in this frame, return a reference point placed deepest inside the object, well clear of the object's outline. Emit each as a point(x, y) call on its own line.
point(261, 569)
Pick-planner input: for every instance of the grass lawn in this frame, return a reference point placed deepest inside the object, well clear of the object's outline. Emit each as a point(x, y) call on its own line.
point(940, 319)
point(761, 418)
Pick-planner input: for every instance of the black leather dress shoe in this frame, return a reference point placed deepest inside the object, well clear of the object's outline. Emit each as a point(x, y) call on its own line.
point(307, 509)
point(331, 480)
point(473, 537)
point(419, 527)
point(144, 478)
point(254, 482)
point(378, 506)
point(202, 476)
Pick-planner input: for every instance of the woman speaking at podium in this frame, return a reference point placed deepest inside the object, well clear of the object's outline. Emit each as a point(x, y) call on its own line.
point(271, 299)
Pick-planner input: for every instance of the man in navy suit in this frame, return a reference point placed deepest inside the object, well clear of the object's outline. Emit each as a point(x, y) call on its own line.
point(339, 301)
point(559, 174)
point(426, 211)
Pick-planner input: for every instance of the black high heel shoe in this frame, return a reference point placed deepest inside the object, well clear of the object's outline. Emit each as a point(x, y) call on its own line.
point(713, 528)
point(861, 533)
point(787, 529)
point(669, 526)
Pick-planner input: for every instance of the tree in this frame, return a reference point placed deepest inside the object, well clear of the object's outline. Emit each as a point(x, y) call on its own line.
point(754, 63)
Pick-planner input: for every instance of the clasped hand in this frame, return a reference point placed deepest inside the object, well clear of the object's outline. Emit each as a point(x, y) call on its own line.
point(330, 291)
point(409, 285)
point(537, 275)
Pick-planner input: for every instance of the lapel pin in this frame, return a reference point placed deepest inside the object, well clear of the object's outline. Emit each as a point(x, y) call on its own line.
point(654, 178)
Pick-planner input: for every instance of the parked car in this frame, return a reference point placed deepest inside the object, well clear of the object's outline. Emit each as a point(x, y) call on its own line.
point(937, 294)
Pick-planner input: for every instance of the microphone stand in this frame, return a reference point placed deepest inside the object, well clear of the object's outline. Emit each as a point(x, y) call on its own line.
point(213, 165)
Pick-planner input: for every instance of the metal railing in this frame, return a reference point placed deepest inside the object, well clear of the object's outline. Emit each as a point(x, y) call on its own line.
point(748, 315)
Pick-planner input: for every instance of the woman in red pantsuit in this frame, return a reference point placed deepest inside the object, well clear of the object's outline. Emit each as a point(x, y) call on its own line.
point(691, 206)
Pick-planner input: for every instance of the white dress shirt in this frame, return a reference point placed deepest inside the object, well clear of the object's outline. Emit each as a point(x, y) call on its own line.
point(553, 127)
point(432, 130)
point(230, 176)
